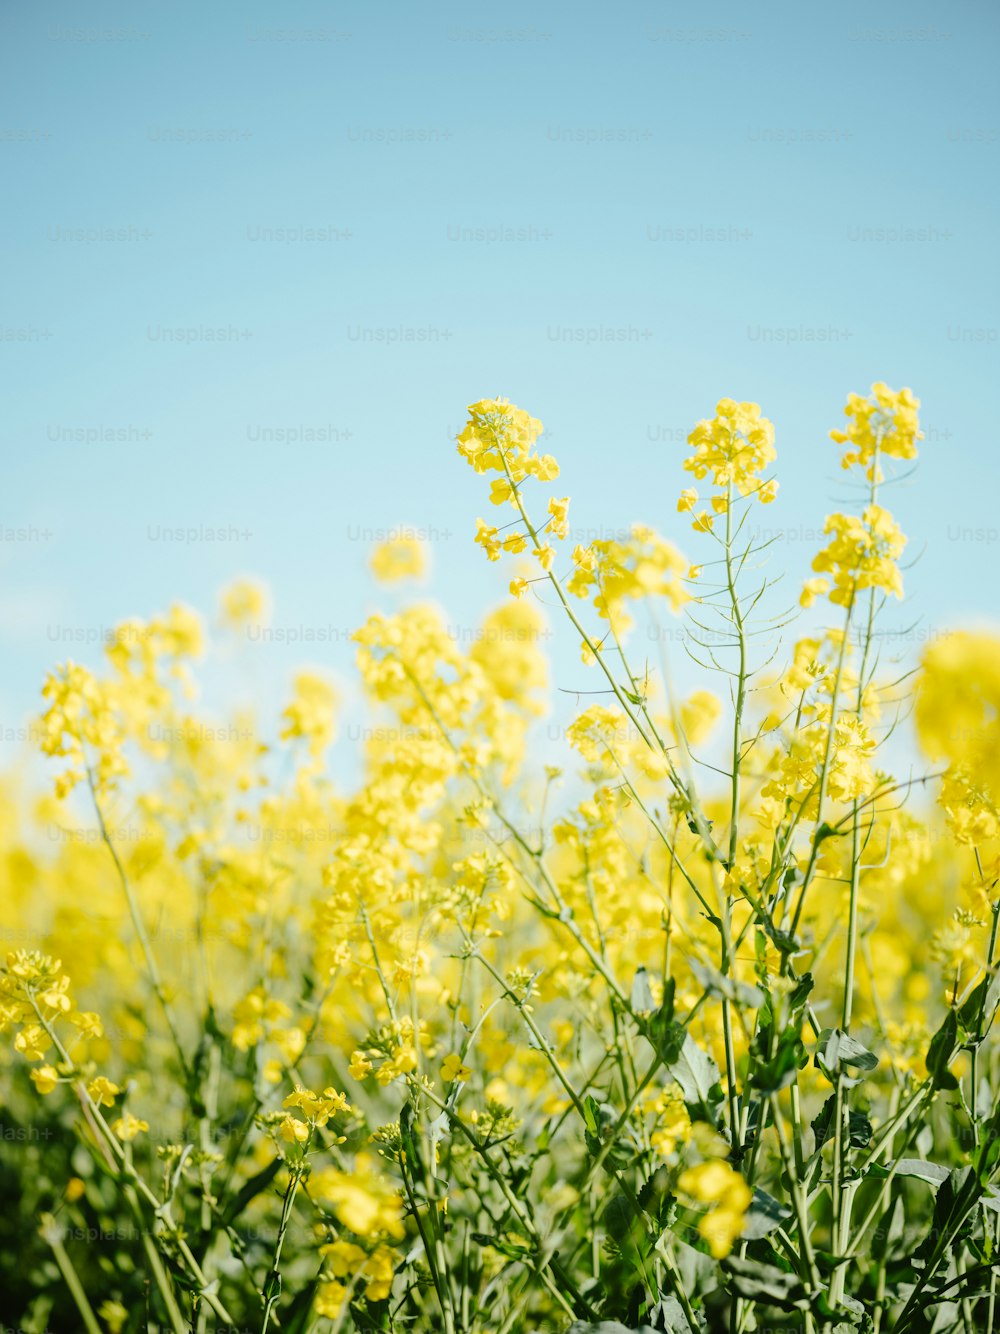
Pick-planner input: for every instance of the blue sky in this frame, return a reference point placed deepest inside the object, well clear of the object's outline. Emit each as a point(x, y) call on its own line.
point(613, 215)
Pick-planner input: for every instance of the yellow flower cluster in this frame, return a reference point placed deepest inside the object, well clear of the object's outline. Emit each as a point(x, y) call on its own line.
point(34, 1000)
point(499, 437)
point(244, 603)
point(311, 714)
point(958, 721)
point(642, 565)
point(886, 423)
point(672, 1121)
point(82, 724)
point(735, 446)
point(721, 1187)
point(370, 1275)
point(89, 720)
point(317, 1108)
point(363, 1200)
point(257, 1018)
point(862, 553)
point(399, 558)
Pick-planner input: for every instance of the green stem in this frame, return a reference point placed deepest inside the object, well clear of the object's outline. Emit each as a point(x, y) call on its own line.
point(272, 1284)
point(53, 1235)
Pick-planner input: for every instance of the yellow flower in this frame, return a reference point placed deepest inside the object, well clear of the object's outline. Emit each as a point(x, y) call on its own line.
point(88, 1023)
point(32, 1042)
point(399, 558)
point(360, 1066)
point(378, 1274)
point(720, 1227)
point(558, 525)
point(862, 554)
point(363, 1200)
point(886, 423)
point(318, 1107)
point(345, 1258)
point(243, 603)
point(958, 721)
point(128, 1126)
point(311, 713)
point(293, 1131)
point(501, 491)
point(103, 1091)
point(698, 715)
point(45, 1078)
point(374, 1271)
point(673, 1124)
point(114, 1315)
point(643, 565)
point(717, 1184)
point(84, 724)
point(452, 1069)
point(500, 437)
point(488, 538)
point(330, 1299)
point(812, 589)
point(735, 447)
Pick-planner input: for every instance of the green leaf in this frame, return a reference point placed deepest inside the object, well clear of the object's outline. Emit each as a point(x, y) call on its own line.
point(698, 1272)
point(987, 1154)
point(668, 1317)
point(777, 1073)
point(606, 1327)
point(800, 993)
point(693, 1069)
point(250, 1190)
point(918, 1168)
point(299, 1315)
point(592, 1113)
point(764, 1215)
point(642, 993)
point(716, 984)
point(655, 1198)
point(619, 1216)
point(837, 1051)
point(981, 1003)
point(766, 1283)
point(857, 1317)
point(954, 1209)
point(859, 1127)
point(941, 1053)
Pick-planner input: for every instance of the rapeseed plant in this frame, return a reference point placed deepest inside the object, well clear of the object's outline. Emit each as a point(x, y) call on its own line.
point(704, 1046)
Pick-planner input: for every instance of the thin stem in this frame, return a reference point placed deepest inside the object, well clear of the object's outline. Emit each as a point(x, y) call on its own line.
point(53, 1235)
point(272, 1284)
